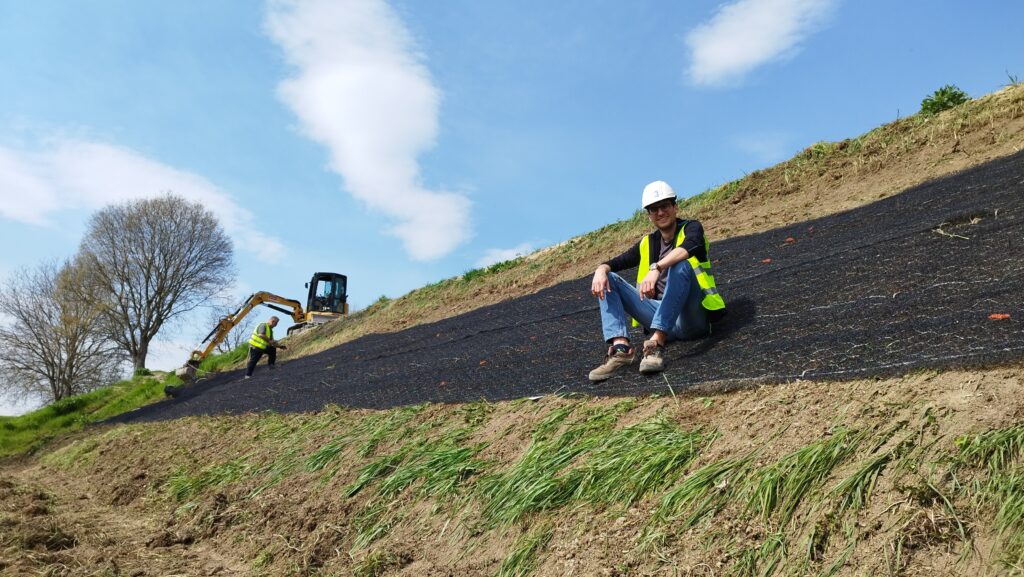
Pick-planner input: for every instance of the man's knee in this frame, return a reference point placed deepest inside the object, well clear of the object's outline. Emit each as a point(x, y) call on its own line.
point(681, 269)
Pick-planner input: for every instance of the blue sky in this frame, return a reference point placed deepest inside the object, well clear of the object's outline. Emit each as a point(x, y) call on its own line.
point(405, 142)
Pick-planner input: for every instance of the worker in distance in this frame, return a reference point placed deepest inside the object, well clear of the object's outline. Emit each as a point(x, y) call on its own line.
point(263, 343)
point(675, 297)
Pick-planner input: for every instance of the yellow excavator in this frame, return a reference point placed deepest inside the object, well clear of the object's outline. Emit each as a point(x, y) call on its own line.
point(327, 300)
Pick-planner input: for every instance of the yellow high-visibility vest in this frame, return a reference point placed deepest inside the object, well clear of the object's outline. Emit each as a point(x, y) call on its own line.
point(257, 339)
point(712, 302)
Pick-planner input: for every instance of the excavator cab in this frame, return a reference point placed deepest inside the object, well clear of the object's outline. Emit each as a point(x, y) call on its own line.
point(328, 297)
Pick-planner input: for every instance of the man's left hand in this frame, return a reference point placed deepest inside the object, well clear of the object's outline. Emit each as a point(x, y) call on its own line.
point(649, 285)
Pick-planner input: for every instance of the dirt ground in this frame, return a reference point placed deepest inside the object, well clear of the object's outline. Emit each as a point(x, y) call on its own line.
point(104, 502)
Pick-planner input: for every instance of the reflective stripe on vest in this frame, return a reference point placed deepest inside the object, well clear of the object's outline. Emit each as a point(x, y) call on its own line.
point(712, 300)
point(257, 339)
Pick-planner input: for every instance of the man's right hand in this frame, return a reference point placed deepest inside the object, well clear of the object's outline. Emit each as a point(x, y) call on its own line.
point(599, 286)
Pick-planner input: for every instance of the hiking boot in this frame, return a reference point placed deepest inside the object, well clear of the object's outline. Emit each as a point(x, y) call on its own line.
point(654, 358)
point(617, 356)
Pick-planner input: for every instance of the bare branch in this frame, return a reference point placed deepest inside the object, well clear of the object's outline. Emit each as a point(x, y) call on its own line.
point(151, 261)
point(50, 347)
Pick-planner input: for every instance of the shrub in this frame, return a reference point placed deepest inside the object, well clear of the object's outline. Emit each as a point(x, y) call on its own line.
point(943, 99)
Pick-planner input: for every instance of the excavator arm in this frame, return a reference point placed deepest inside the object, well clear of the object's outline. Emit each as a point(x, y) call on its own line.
point(224, 326)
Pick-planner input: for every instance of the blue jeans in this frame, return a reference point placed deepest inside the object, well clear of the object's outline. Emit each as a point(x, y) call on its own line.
point(678, 314)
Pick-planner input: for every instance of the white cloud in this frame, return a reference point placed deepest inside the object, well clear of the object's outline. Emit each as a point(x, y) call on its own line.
point(361, 89)
point(15, 407)
point(746, 34)
point(168, 355)
point(76, 175)
point(25, 194)
point(496, 255)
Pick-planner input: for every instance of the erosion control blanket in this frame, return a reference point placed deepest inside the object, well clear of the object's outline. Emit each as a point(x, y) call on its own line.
point(932, 277)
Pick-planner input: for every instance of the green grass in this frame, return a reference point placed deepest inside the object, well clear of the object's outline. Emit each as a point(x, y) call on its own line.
point(701, 494)
point(781, 486)
point(1007, 492)
point(183, 485)
point(524, 556)
point(384, 426)
point(371, 431)
point(374, 522)
point(27, 433)
point(535, 483)
point(636, 461)
point(214, 363)
point(760, 561)
point(478, 273)
point(1001, 485)
point(438, 466)
point(995, 450)
point(854, 492)
point(375, 564)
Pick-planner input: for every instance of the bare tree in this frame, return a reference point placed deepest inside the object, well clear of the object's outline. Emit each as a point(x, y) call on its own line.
point(50, 347)
point(154, 260)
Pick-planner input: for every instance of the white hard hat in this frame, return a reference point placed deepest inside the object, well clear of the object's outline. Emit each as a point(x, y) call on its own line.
point(656, 191)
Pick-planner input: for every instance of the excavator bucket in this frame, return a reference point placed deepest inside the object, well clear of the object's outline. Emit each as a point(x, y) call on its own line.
point(187, 373)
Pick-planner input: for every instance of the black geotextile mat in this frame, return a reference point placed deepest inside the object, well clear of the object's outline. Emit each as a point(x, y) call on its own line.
point(904, 283)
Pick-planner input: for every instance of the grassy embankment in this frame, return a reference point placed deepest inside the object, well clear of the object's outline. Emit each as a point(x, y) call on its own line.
point(29, 432)
point(923, 474)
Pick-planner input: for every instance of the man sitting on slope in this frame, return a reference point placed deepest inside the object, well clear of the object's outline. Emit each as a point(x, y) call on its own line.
point(675, 296)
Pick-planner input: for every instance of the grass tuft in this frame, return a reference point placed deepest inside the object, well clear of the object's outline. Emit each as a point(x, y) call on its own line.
point(763, 560)
point(854, 492)
point(638, 460)
point(995, 450)
point(702, 493)
point(998, 452)
point(535, 483)
point(182, 485)
point(523, 559)
point(781, 486)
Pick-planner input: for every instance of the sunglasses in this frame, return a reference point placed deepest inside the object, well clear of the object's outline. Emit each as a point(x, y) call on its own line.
point(664, 205)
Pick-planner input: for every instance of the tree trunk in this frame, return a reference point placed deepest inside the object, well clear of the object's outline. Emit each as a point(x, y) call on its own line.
point(139, 356)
